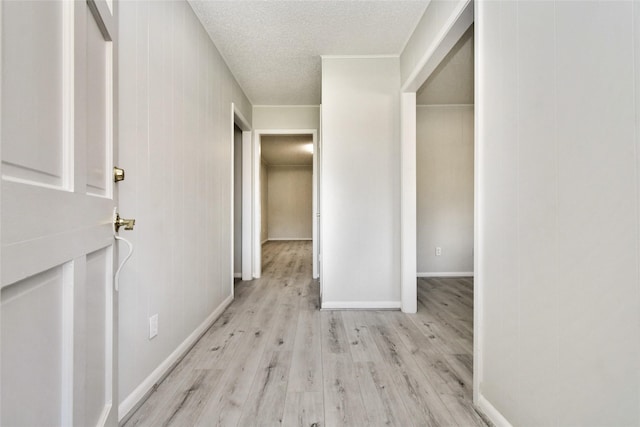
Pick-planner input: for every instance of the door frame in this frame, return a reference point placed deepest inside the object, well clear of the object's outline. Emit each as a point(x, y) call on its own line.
point(238, 119)
point(458, 22)
point(255, 153)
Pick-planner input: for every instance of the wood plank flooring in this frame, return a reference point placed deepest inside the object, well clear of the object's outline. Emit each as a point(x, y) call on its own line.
point(274, 359)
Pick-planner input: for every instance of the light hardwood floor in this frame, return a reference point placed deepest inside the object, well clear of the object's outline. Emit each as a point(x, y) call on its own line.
point(274, 359)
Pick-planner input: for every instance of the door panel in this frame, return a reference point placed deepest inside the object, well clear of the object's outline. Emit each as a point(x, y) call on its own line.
point(57, 299)
point(36, 370)
point(33, 74)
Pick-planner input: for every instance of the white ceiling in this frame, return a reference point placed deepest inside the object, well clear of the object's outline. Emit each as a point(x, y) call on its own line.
point(286, 150)
point(273, 47)
point(452, 81)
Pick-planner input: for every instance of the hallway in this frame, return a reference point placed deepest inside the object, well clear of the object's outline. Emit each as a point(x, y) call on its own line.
point(273, 358)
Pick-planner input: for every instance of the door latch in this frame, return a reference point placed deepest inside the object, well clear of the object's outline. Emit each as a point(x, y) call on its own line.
point(122, 222)
point(118, 174)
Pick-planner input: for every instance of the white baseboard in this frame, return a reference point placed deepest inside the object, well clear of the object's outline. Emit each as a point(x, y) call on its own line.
point(237, 275)
point(447, 274)
point(492, 413)
point(361, 305)
point(137, 397)
point(276, 239)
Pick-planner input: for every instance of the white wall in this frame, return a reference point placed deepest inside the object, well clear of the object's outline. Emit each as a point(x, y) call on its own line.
point(289, 205)
point(558, 90)
point(286, 117)
point(264, 202)
point(444, 189)
point(237, 200)
point(175, 130)
point(452, 80)
point(360, 182)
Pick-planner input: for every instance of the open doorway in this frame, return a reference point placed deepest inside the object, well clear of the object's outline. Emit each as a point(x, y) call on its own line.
point(286, 196)
point(434, 55)
point(241, 229)
point(286, 176)
point(445, 205)
point(444, 166)
point(237, 203)
point(291, 158)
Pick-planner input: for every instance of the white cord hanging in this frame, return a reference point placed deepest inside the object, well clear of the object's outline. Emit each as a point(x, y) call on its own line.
point(124, 261)
point(116, 279)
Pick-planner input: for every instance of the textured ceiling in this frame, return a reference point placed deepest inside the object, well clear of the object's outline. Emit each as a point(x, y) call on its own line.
point(289, 150)
point(273, 47)
point(452, 81)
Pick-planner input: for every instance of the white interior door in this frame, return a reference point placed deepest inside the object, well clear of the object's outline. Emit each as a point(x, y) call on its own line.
point(57, 300)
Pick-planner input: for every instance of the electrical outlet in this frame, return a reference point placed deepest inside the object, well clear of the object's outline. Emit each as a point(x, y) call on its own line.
point(438, 251)
point(153, 326)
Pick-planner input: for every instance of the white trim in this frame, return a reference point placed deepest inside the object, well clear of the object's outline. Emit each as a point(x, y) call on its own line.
point(359, 56)
point(408, 204)
point(458, 22)
point(491, 412)
point(444, 105)
point(447, 274)
point(271, 165)
point(315, 211)
point(239, 119)
point(410, 36)
point(109, 119)
point(478, 208)
point(1, 68)
point(237, 275)
point(247, 224)
point(256, 207)
point(270, 239)
point(102, 420)
point(286, 106)
point(361, 305)
point(68, 100)
point(233, 193)
point(285, 131)
point(138, 396)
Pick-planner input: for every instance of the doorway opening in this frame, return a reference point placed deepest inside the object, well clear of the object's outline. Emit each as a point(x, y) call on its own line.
point(453, 30)
point(241, 227)
point(237, 203)
point(445, 202)
point(285, 190)
point(445, 165)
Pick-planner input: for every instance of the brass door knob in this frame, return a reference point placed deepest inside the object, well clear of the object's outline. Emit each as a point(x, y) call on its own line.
point(123, 222)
